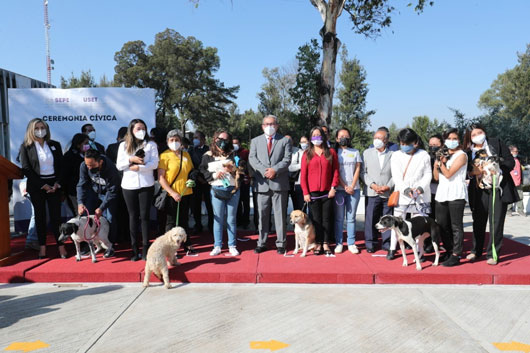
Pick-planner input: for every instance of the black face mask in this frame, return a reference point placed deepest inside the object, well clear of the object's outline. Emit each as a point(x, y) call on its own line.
point(94, 170)
point(222, 144)
point(433, 149)
point(344, 141)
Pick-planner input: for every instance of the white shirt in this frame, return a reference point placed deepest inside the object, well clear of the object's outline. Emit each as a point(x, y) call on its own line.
point(485, 146)
point(454, 188)
point(419, 174)
point(296, 161)
point(45, 159)
point(133, 180)
point(381, 156)
point(348, 159)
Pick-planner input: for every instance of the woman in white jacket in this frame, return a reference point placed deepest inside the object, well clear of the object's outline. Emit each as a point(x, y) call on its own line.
point(138, 158)
point(411, 172)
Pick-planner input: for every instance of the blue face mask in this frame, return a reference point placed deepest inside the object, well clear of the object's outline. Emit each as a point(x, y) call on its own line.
point(451, 144)
point(407, 148)
point(196, 142)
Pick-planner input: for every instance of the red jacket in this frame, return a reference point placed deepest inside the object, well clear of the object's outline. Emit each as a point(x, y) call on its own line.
point(320, 174)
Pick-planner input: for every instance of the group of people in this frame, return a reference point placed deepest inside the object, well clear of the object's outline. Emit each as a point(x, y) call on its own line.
point(322, 177)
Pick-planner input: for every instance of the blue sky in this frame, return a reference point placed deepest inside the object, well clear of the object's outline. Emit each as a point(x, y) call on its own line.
point(445, 57)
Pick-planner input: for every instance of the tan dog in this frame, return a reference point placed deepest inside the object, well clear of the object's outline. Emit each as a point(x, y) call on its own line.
point(304, 232)
point(162, 250)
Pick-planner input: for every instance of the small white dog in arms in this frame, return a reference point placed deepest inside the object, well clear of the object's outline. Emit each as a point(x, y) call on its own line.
point(160, 252)
point(87, 229)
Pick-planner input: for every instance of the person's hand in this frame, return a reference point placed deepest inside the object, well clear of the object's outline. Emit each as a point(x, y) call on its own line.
point(80, 209)
point(136, 160)
point(56, 186)
point(331, 193)
point(46, 188)
point(443, 160)
point(176, 196)
point(134, 167)
point(383, 189)
point(220, 174)
point(349, 190)
point(270, 173)
point(98, 212)
point(307, 198)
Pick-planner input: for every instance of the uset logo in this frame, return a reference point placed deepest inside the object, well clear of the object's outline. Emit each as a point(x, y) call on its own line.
point(90, 99)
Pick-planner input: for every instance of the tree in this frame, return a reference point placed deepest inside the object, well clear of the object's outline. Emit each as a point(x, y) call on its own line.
point(182, 72)
point(368, 18)
point(351, 110)
point(246, 125)
point(425, 127)
point(85, 79)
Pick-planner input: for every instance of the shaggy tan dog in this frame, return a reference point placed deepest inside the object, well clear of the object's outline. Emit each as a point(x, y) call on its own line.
point(162, 250)
point(304, 232)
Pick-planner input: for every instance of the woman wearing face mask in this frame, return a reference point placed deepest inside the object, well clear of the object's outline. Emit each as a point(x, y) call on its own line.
point(488, 204)
point(319, 176)
point(173, 172)
point(411, 172)
point(348, 191)
point(137, 158)
point(217, 167)
point(42, 164)
point(451, 196)
point(71, 161)
point(294, 169)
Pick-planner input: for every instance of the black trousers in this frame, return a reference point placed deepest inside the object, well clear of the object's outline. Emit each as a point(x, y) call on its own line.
point(243, 209)
point(39, 199)
point(171, 215)
point(450, 217)
point(202, 192)
point(376, 207)
point(322, 217)
point(297, 196)
point(482, 211)
point(139, 206)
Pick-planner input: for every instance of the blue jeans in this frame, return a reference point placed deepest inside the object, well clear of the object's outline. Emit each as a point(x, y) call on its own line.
point(32, 231)
point(346, 205)
point(222, 209)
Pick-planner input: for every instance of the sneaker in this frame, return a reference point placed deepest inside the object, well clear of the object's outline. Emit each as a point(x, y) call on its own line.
point(338, 249)
point(471, 257)
point(451, 261)
point(491, 262)
point(192, 252)
point(353, 249)
point(216, 251)
point(233, 251)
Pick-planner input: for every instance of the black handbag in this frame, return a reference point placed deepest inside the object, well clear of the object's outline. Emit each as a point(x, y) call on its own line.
point(160, 194)
point(222, 193)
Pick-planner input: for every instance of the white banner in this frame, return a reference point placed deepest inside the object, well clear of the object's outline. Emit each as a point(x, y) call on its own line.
point(67, 110)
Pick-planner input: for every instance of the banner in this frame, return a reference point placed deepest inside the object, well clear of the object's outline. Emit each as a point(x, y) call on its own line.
point(67, 110)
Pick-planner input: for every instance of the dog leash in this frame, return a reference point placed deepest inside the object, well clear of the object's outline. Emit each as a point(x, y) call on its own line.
point(492, 229)
point(98, 225)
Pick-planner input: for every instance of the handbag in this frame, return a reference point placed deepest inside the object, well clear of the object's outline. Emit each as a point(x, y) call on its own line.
point(393, 200)
point(160, 194)
point(222, 193)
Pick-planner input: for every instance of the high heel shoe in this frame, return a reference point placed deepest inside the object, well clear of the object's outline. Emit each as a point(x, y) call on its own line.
point(42, 252)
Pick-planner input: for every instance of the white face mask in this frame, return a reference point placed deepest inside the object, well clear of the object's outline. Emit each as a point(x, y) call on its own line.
point(140, 134)
point(378, 143)
point(303, 146)
point(479, 139)
point(269, 130)
point(92, 135)
point(40, 133)
point(317, 142)
point(236, 147)
point(174, 146)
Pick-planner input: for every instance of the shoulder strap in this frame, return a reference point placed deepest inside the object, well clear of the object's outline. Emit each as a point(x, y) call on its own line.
point(180, 168)
point(407, 167)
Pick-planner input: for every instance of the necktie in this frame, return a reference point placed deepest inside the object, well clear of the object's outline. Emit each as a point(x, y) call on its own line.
point(269, 144)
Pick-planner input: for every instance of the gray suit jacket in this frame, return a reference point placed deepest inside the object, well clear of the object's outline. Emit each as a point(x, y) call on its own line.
point(372, 172)
point(279, 160)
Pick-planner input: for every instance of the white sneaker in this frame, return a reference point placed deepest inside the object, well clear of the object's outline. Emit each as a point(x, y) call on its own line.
point(338, 249)
point(233, 251)
point(353, 249)
point(216, 251)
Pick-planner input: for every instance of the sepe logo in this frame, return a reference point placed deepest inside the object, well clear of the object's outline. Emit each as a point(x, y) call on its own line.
point(90, 99)
point(61, 100)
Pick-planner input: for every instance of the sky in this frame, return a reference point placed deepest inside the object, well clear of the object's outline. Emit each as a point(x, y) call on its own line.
point(423, 65)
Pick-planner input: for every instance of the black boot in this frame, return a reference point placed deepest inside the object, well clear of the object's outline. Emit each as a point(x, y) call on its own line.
point(135, 256)
point(391, 255)
point(144, 251)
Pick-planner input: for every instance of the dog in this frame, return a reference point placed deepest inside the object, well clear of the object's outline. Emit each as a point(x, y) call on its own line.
point(83, 228)
point(162, 250)
point(490, 167)
point(237, 172)
point(443, 152)
point(413, 232)
point(304, 232)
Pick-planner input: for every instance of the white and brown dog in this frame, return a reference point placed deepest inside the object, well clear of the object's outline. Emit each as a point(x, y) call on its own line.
point(413, 232)
point(86, 229)
point(304, 232)
point(160, 252)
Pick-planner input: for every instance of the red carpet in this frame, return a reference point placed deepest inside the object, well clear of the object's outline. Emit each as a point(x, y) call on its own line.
point(269, 267)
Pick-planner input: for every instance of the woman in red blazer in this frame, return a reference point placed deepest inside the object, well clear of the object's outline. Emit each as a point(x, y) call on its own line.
point(319, 175)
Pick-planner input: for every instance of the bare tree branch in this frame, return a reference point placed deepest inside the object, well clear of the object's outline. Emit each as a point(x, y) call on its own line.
point(322, 8)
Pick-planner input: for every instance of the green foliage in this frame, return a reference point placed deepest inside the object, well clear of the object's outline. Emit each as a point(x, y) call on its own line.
point(393, 131)
point(425, 127)
point(246, 126)
point(182, 72)
point(86, 79)
point(350, 112)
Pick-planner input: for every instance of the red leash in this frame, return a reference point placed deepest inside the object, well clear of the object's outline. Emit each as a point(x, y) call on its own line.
point(98, 226)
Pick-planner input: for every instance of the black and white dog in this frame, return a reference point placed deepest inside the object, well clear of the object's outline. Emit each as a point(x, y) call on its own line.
point(414, 232)
point(83, 228)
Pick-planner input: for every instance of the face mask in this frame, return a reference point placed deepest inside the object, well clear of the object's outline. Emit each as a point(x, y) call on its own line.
point(317, 140)
point(514, 155)
point(236, 147)
point(85, 148)
point(407, 148)
point(269, 130)
point(378, 143)
point(303, 146)
point(451, 144)
point(40, 133)
point(479, 139)
point(92, 135)
point(344, 141)
point(433, 149)
point(140, 134)
point(196, 142)
point(94, 170)
point(174, 146)
point(222, 144)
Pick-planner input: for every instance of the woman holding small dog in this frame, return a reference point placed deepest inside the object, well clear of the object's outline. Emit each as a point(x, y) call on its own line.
point(173, 172)
point(137, 158)
point(451, 195)
point(218, 168)
point(488, 204)
point(319, 176)
point(41, 159)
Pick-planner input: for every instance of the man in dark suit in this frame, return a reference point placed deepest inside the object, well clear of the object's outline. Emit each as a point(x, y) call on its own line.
point(90, 131)
point(112, 149)
point(270, 157)
point(202, 189)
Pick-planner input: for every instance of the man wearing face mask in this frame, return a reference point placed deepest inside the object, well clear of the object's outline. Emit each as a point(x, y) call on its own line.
point(377, 177)
point(270, 157)
point(517, 208)
point(97, 174)
point(90, 131)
